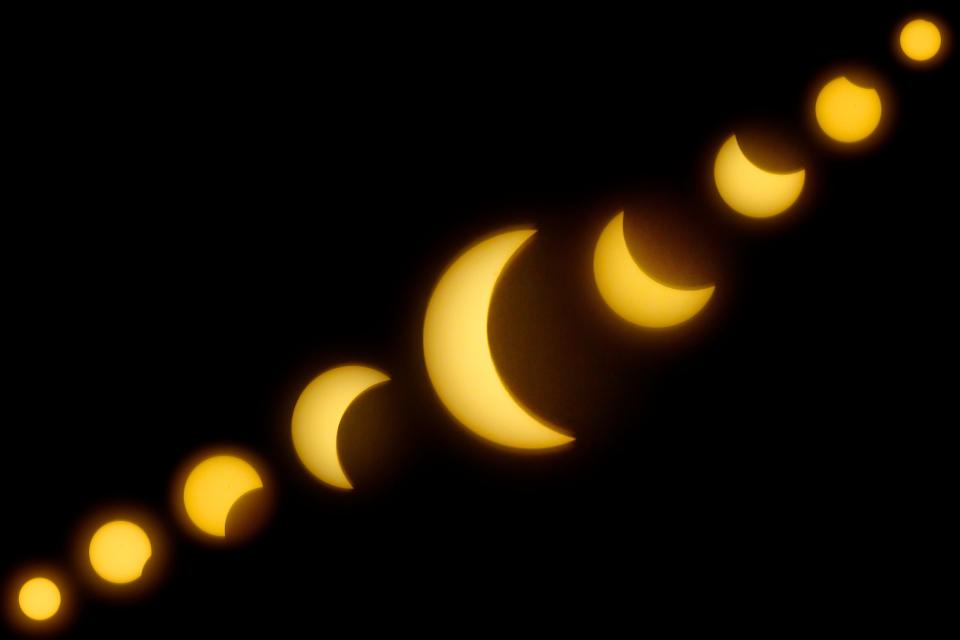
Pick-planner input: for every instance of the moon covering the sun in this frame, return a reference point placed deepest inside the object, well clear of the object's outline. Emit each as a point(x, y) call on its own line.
point(456, 349)
point(212, 489)
point(631, 293)
point(847, 112)
point(750, 190)
point(119, 551)
point(317, 416)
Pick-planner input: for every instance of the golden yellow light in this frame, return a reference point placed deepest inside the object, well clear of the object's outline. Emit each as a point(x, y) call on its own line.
point(920, 40)
point(634, 295)
point(119, 550)
point(750, 190)
point(317, 416)
point(39, 598)
point(846, 112)
point(212, 489)
point(457, 349)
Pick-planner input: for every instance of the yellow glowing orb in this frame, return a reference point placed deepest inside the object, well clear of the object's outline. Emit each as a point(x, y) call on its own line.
point(457, 350)
point(119, 550)
point(213, 488)
point(750, 190)
point(846, 112)
point(920, 40)
point(317, 415)
point(634, 295)
point(39, 598)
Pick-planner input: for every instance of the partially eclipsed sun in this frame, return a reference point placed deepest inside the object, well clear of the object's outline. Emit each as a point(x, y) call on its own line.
point(213, 488)
point(847, 112)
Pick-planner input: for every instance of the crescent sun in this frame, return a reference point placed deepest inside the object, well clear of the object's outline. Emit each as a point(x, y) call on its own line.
point(317, 415)
point(751, 190)
point(631, 293)
point(456, 348)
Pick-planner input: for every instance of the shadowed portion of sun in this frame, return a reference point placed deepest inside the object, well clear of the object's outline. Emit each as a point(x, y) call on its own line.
point(847, 112)
point(39, 598)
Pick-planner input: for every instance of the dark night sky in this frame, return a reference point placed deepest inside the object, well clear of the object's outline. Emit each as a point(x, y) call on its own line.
point(198, 225)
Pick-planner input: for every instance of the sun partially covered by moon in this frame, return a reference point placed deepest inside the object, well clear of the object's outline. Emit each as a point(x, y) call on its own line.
point(634, 295)
point(213, 488)
point(750, 190)
point(847, 112)
point(456, 348)
point(39, 598)
point(119, 551)
point(317, 416)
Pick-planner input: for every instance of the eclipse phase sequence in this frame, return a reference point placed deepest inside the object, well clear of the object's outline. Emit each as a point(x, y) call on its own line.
point(456, 348)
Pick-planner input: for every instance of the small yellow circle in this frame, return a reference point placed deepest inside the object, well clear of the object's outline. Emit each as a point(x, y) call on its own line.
point(920, 40)
point(39, 598)
point(847, 112)
point(119, 550)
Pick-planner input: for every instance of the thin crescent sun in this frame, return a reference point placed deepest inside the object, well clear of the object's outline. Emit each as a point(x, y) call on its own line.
point(457, 349)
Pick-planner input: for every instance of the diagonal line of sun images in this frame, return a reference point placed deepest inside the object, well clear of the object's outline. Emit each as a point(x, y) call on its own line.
point(458, 360)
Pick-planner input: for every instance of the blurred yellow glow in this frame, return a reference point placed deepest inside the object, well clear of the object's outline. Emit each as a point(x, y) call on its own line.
point(39, 598)
point(631, 293)
point(213, 487)
point(750, 190)
point(920, 40)
point(457, 349)
point(119, 550)
point(317, 415)
point(846, 112)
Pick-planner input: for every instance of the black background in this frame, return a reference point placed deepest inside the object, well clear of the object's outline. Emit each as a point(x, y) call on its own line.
point(200, 220)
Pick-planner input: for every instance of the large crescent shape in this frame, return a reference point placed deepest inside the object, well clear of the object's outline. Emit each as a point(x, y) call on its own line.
point(457, 349)
point(317, 415)
point(750, 190)
point(634, 295)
